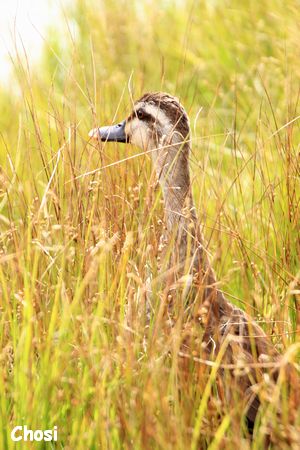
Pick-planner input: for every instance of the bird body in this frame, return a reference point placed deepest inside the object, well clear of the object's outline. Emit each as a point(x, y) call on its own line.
point(159, 125)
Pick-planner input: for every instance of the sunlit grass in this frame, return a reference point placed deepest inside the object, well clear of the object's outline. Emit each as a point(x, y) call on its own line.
point(78, 249)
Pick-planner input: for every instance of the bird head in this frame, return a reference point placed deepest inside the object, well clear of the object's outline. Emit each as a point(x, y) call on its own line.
point(157, 119)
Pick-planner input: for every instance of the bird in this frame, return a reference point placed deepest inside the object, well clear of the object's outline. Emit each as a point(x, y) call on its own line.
point(159, 125)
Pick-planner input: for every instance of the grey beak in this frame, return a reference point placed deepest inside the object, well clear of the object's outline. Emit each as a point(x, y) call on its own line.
point(114, 133)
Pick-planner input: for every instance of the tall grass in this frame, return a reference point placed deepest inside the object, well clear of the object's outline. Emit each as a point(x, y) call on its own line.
point(77, 248)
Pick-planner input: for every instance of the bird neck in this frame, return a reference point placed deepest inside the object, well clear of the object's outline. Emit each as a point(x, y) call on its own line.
point(172, 169)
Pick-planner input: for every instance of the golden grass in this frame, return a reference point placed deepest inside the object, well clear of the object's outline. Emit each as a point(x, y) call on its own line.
point(78, 244)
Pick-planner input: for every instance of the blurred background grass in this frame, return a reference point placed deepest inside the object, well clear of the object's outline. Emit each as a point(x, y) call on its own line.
point(76, 251)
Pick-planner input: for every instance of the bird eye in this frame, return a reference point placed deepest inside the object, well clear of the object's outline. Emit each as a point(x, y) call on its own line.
point(140, 114)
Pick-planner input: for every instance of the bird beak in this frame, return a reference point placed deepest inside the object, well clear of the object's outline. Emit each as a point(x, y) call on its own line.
point(113, 133)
